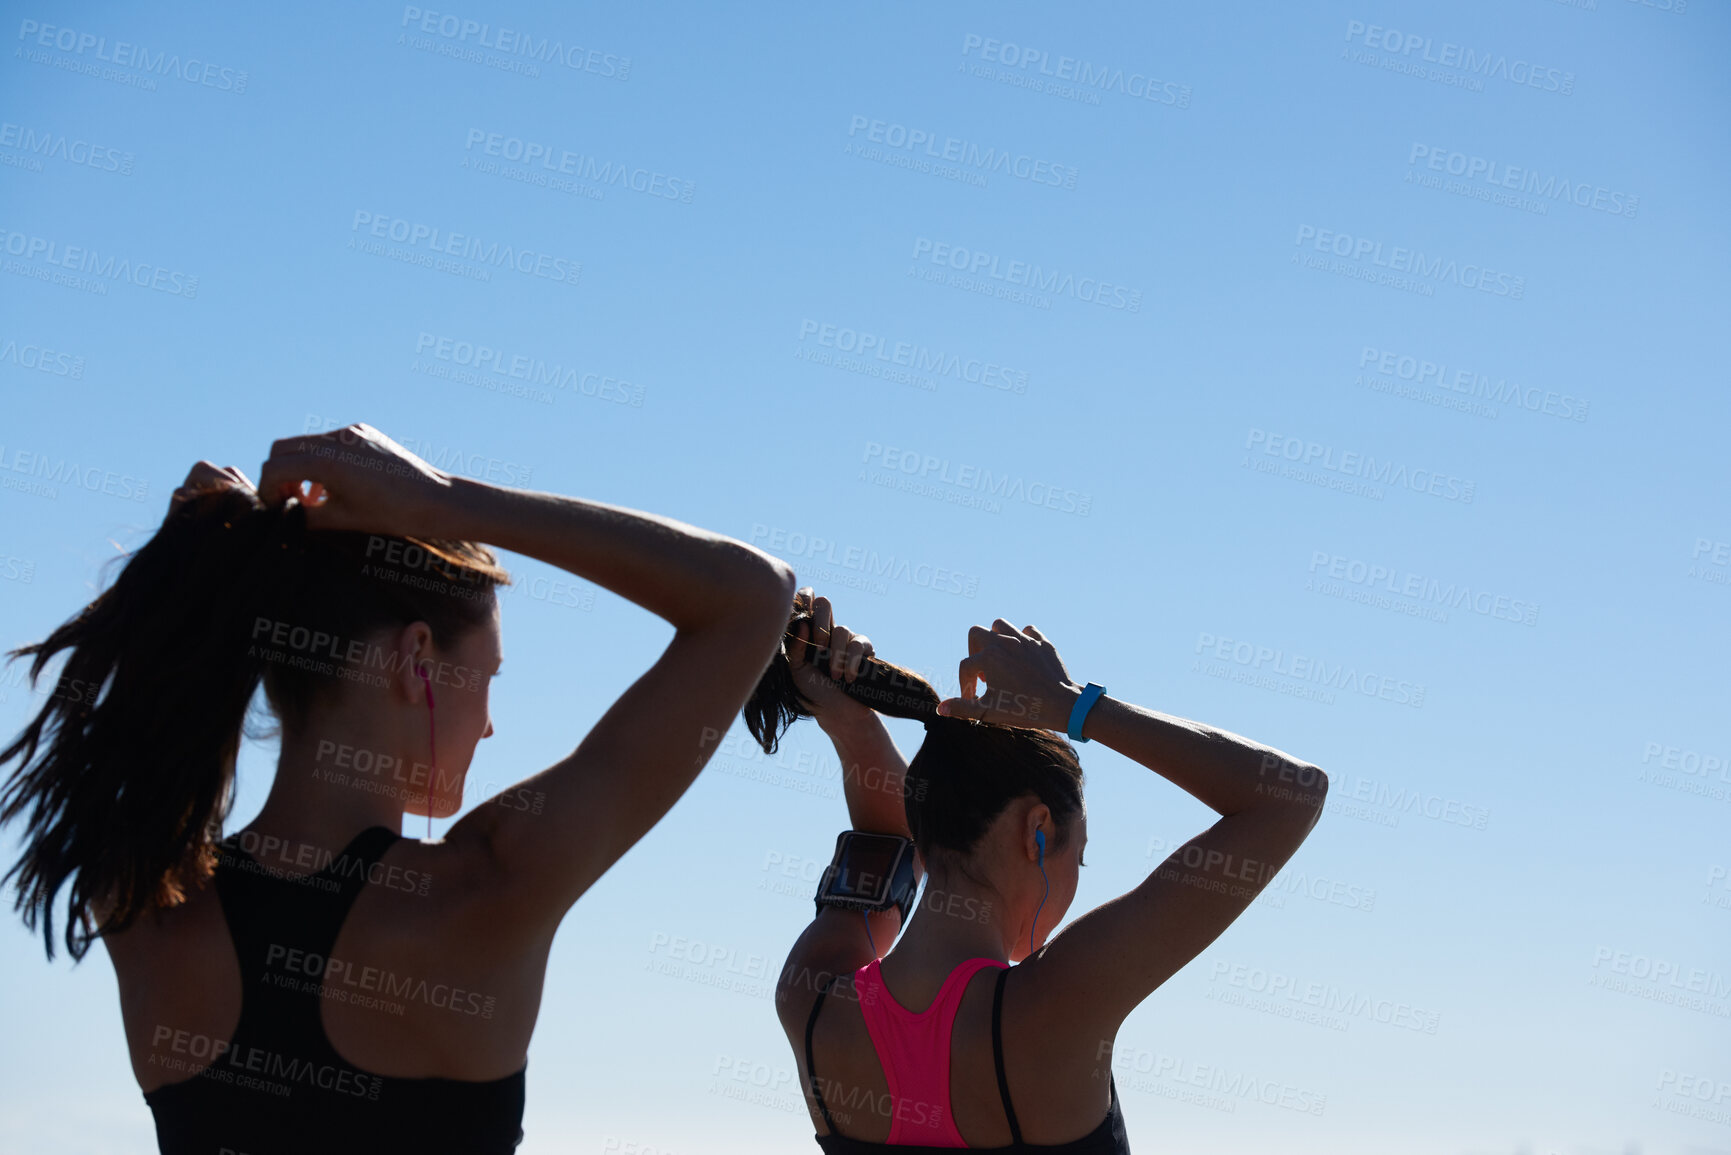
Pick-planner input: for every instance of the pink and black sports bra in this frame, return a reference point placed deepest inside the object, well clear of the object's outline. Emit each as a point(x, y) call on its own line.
point(914, 1050)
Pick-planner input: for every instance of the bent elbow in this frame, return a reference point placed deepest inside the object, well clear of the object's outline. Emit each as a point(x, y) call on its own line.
point(773, 585)
point(757, 583)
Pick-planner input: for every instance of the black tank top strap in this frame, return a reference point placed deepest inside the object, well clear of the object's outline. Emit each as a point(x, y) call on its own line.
point(998, 1055)
point(283, 927)
point(810, 1066)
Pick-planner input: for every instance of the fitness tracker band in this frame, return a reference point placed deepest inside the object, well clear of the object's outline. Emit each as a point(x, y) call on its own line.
point(869, 872)
point(1079, 712)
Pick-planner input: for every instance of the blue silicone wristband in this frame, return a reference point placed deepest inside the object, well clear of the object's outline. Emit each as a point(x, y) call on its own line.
point(1079, 712)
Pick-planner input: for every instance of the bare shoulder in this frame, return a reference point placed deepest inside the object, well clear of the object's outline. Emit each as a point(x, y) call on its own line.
point(1042, 1007)
point(179, 985)
point(452, 891)
point(1058, 1065)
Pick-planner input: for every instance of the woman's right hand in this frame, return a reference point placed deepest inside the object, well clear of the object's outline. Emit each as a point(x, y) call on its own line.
point(359, 480)
point(1026, 683)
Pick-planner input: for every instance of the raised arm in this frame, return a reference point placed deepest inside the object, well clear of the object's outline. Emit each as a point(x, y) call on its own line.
point(1110, 959)
point(873, 778)
point(726, 600)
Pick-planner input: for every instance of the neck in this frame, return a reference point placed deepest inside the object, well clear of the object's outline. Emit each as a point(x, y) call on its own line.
point(957, 919)
point(338, 774)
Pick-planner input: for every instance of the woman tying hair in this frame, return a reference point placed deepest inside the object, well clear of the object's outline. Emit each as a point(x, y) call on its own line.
point(315, 983)
point(915, 1049)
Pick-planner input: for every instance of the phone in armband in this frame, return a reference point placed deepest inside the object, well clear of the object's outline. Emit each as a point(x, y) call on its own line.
point(869, 872)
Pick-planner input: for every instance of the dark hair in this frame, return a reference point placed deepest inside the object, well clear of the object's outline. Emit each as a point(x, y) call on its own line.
point(964, 774)
point(127, 773)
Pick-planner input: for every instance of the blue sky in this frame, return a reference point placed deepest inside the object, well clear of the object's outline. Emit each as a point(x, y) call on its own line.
point(1339, 374)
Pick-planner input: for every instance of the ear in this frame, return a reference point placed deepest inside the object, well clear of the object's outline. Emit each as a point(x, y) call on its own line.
point(1039, 818)
point(414, 653)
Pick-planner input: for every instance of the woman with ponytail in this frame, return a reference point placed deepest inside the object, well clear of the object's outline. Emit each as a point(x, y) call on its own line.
point(913, 1050)
point(314, 982)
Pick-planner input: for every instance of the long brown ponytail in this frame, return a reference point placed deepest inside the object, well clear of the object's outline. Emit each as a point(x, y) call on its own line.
point(126, 774)
point(964, 773)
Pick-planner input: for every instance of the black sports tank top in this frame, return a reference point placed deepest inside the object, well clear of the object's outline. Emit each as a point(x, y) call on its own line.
point(278, 1087)
point(1106, 1139)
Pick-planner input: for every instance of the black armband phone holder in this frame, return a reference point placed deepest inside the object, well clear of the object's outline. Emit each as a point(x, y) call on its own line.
point(869, 872)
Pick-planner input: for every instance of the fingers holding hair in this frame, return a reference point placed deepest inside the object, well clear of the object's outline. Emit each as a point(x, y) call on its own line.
point(206, 475)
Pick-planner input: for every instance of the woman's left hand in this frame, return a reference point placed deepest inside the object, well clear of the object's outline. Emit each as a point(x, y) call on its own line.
point(847, 652)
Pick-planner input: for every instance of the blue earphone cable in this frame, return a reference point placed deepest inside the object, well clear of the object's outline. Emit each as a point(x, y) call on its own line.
point(1040, 843)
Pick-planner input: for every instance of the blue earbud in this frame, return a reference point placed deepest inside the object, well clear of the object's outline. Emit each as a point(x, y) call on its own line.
point(1040, 847)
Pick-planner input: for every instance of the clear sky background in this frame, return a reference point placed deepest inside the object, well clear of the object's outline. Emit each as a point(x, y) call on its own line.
point(1353, 278)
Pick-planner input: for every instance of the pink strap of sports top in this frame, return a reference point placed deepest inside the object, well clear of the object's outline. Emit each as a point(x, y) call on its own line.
point(914, 1050)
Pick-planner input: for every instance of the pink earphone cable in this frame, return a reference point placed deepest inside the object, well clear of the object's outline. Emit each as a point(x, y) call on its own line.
point(432, 750)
